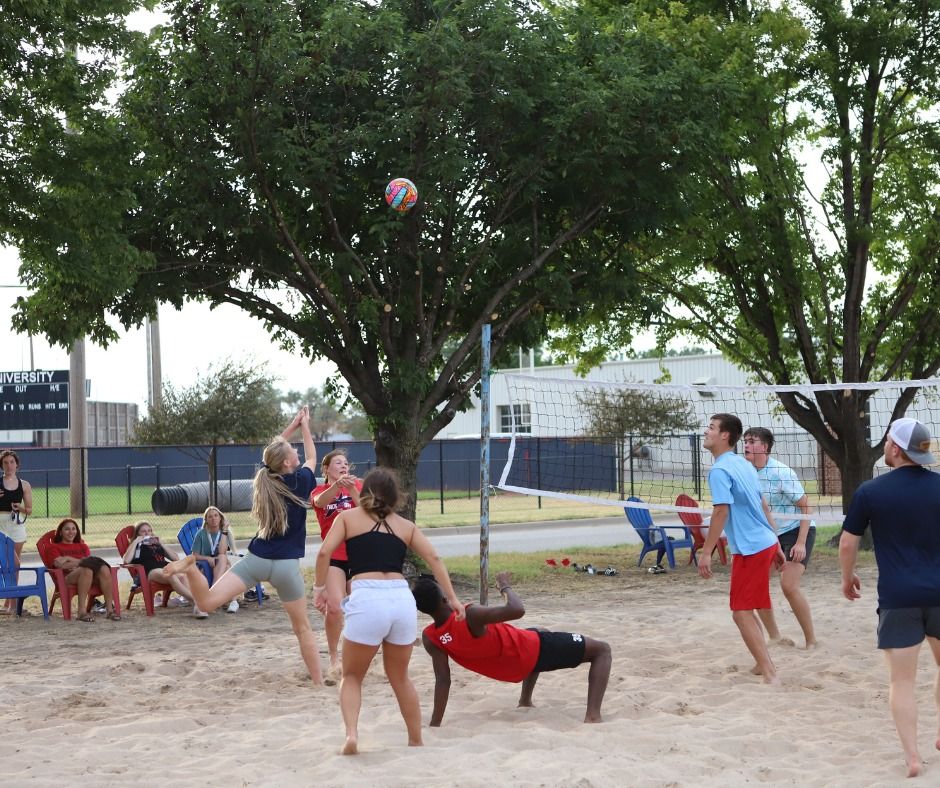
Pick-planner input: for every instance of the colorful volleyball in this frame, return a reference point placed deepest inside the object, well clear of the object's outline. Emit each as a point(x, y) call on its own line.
point(401, 194)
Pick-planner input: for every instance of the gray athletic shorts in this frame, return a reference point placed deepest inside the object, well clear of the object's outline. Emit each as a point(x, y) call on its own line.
point(788, 538)
point(903, 627)
point(282, 573)
point(380, 611)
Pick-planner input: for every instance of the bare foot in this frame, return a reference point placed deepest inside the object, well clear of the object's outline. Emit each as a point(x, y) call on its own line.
point(333, 674)
point(351, 746)
point(415, 743)
point(914, 766)
point(757, 671)
point(179, 567)
point(592, 717)
point(526, 704)
point(772, 679)
point(811, 644)
point(781, 641)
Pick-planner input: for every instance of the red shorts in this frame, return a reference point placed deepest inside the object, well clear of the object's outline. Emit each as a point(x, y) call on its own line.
point(750, 580)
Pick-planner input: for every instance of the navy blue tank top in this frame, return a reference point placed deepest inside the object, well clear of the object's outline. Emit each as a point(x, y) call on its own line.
point(376, 551)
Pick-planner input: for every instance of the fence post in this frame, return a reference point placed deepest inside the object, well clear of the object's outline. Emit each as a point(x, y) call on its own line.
point(158, 475)
point(697, 465)
point(47, 492)
point(538, 467)
point(129, 508)
point(632, 491)
point(440, 469)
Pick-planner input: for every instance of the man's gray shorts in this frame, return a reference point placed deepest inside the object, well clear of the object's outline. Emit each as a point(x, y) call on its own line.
point(904, 627)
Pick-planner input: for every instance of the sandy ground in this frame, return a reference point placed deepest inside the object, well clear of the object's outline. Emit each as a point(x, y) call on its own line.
point(171, 700)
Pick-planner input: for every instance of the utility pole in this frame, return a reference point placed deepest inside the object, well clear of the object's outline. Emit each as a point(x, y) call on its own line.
point(78, 432)
point(154, 370)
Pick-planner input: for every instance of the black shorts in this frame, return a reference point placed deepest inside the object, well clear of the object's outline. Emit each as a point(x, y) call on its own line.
point(788, 539)
point(903, 627)
point(93, 563)
point(559, 650)
point(340, 564)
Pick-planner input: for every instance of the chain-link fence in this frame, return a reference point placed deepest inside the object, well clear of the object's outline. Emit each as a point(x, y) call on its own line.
point(122, 484)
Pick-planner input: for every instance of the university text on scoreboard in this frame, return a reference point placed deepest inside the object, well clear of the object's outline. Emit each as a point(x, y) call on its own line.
point(36, 399)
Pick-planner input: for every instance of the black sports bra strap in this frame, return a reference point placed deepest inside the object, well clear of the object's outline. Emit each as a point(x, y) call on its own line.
point(383, 524)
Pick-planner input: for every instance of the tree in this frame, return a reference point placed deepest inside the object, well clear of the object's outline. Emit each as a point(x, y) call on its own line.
point(797, 281)
point(56, 59)
point(232, 403)
point(256, 139)
point(645, 414)
point(326, 417)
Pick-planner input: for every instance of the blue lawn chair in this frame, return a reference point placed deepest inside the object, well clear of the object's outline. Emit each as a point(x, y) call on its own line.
point(8, 579)
point(655, 537)
point(186, 536)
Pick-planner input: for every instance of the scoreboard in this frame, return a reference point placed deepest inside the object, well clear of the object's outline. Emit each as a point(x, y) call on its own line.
point(35, 399)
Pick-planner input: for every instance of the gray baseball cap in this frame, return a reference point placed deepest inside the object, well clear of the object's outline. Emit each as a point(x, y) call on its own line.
point(914, 438)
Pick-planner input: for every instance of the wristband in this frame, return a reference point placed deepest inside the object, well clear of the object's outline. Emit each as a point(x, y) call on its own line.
point(318, 589)
point(503, 589)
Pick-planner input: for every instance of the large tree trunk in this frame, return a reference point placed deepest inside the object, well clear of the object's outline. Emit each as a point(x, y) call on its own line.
point(397, 447)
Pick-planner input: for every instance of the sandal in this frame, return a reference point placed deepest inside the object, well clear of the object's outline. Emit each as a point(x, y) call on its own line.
point(657, 570)
point(112, 616)
point(87, 617)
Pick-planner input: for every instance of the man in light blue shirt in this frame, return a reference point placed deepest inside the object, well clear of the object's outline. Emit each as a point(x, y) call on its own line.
point(785, 495)
point(740, 510)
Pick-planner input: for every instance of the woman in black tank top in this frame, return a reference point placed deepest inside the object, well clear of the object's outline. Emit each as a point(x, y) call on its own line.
point(16, 504)
point(380, 610)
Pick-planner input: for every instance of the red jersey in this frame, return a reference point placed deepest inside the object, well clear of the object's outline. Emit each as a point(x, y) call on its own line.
point(505, 652)
point(77, 550)
point(327, 514)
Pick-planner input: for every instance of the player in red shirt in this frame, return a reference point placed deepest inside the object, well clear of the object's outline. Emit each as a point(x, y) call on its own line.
point(485, 644)
point(339, 493)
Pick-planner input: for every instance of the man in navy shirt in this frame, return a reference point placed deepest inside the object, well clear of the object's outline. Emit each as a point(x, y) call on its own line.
point(903, 510)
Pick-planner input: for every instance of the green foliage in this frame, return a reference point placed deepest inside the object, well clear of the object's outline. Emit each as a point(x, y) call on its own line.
point(232, 403)
point(808, 251)
point(645, 414)
point(248, 157)
point(56, 58)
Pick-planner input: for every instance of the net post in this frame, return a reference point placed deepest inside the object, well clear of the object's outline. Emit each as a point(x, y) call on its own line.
point(485, 463)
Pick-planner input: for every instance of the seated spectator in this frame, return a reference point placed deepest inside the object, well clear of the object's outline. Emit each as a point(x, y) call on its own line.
point(145, 549)
point(82, 569)
point(212, 544)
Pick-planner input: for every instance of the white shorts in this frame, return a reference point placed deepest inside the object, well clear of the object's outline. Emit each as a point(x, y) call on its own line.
point(380, 611)
point(16, 531)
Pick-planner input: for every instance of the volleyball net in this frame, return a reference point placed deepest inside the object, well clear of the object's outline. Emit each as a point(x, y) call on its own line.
point(605, 443)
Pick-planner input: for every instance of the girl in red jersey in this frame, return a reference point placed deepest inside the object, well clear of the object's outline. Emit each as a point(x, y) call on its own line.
point(339, 493)
point(68, 552)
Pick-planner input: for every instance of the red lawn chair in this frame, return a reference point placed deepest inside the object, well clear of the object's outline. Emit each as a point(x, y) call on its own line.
point(63, 590)
point(694, 522)
point(141, 585)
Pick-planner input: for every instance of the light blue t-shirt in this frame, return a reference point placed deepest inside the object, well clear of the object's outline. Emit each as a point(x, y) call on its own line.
point(782, 490)
point(733, 480)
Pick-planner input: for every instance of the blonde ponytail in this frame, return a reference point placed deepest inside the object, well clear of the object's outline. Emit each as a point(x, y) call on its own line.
point(270, 494)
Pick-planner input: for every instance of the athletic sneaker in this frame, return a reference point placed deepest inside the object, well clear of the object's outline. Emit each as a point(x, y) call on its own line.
point(233, 606)
point(178, 601)
point(99, 607)
point(197, 613)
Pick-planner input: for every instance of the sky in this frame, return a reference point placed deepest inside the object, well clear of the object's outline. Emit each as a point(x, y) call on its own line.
point(191, 341)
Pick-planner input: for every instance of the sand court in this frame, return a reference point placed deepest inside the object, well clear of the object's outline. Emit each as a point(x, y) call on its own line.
point(172, 700)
